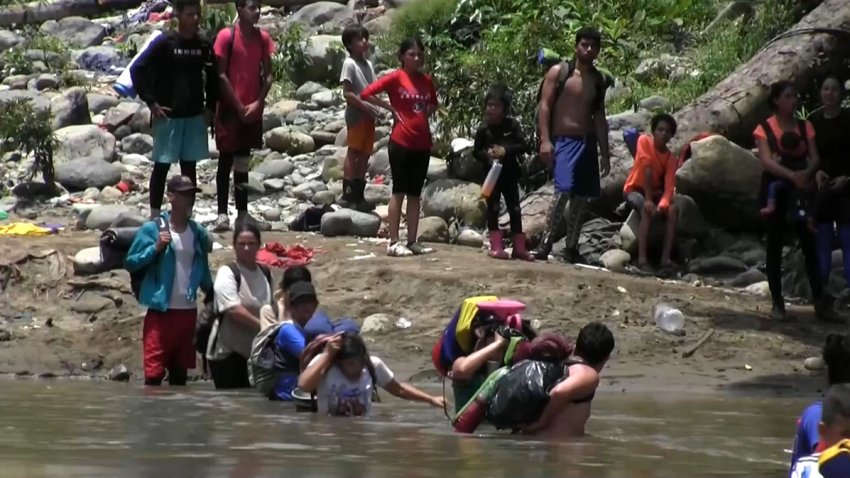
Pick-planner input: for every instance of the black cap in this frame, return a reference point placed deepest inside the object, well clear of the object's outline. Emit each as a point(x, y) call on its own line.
point(301, 290)
point(181, 184)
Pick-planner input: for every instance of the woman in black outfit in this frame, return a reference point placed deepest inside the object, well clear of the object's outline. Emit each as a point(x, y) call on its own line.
point(782, 142)
point(832, 123)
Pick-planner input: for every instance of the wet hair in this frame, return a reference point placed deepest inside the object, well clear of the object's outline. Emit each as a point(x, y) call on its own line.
point(353, 346)
point(842, 86)
point(295, 274)
point(666, 118)
point(409, 43)
point(836, 355)
point(502, 94)
point(589, 33)
point(550, 347)
point(836, 404)
point(246, 226)
point(777, 89)
point(180, 5)
point(594, 344)
point(353, 32)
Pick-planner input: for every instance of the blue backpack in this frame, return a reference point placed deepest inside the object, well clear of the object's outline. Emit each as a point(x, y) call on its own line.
point(630, 136)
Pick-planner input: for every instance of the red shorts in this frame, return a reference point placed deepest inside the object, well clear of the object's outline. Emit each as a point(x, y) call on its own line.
point(168, 341)
point(236, 137)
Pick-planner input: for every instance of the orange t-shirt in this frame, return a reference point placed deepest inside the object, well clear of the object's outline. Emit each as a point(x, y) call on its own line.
point(801, 150)
point(662, 168)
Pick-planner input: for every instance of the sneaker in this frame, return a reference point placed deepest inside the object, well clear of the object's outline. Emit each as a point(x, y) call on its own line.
point(397, 249)
point(418, 249)
point(221, 224)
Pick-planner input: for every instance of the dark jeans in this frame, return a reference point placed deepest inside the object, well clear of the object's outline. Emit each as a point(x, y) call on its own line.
point(230, 373)
point(159, 176)
point(777, 225)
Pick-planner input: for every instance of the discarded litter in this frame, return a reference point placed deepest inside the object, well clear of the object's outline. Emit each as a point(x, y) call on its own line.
point(403, 323)
point(669, 319)
point(621, 289)
point(360, 258)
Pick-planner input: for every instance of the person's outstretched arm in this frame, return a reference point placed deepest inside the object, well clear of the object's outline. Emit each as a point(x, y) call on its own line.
point(406, 391)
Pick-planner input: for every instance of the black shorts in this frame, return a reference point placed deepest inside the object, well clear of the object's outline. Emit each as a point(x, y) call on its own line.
point(408, 168)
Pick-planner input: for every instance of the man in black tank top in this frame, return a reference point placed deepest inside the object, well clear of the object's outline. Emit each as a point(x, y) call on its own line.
point(568, 409)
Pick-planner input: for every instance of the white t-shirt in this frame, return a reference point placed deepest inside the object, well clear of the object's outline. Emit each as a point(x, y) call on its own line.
point(337, 395)
point(183, 244)
point(807, 467)
point(254, 292)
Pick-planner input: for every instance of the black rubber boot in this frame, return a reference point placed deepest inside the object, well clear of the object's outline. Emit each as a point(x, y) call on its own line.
point(359, 196)
point(555, 217)
point(347, 200)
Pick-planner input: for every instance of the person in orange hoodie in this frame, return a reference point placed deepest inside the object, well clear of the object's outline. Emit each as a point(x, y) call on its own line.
point(650, 186)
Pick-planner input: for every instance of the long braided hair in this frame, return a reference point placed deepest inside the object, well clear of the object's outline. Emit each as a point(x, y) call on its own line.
point(353, 346)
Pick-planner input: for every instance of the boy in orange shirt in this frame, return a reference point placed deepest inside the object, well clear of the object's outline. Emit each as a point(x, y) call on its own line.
point(650, 186)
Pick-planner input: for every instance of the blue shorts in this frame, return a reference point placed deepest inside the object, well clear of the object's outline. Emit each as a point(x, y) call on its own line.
point(576, 165)
point(180, 139)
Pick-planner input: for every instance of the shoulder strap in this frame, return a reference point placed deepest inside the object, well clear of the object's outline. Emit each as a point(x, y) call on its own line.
point(564, 74)
point(801, 125)
point(230, 48)
point(237, 274)
point(772, 141)
point(268, 273)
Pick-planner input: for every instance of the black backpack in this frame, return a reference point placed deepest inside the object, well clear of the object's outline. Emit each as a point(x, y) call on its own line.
point(209, 314)
point(567, 69)
point(137, 277)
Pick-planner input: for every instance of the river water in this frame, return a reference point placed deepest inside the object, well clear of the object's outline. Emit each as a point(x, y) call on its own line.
point(100, 429)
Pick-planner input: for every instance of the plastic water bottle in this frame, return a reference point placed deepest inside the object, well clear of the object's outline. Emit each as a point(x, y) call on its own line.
point(669, 319)
point(490, 180)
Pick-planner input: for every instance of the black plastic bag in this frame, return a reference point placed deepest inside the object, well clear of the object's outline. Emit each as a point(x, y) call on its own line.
point(522, 394)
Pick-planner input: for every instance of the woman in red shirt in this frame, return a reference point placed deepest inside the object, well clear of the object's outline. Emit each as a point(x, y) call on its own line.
point(413, 100)
point(775, 137)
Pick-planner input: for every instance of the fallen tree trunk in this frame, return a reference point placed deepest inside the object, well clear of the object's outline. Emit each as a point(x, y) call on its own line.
point(737, 104)
point(40, 12)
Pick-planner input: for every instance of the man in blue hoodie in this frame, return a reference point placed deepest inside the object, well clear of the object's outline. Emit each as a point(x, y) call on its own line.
point(176, 265)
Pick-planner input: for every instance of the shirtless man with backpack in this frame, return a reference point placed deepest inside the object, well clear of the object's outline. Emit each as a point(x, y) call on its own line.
point(571, 123)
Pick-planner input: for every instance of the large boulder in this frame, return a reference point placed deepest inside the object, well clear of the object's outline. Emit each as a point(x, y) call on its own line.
point(691, 225)
point(325, 55)
point(347, 222)
point(76, 32)
point(9, 39)
point(83, 173)
point(379, 163)
point(290, 141)
point(100, 103)
point(82, 141)
point(329, 17)
point(433, 229)
point(275, 168)
point(38, 102)
point(275, 115)
point(104, 217)
point(724, 180)
point(70, 108)
point(454, 199)
point(122, 114)
point(535, 210)
point(137, 143)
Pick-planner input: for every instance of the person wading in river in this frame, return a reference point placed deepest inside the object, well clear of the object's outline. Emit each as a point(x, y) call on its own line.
point(568, 409)
point(571, 124)
point(176, 265)
point(833, 431)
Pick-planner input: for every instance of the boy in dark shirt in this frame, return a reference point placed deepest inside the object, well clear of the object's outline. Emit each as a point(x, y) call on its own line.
point(500, 139)
point(177, 78)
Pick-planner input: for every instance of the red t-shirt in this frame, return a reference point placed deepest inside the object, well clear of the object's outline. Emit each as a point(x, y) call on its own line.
point(243, 68)
point(410, 95)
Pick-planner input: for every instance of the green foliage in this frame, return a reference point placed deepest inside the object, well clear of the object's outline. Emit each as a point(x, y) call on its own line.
point(53, 53)
point(217, 17)
point(288, 59)
point(475, 43)
point(30, 131)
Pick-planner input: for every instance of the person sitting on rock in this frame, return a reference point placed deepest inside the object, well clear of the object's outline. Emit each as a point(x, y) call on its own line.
point(783, 99)
point(833, 432)
point(500, 140)
point(650, 187)
point(176, 77)
point(344, 378)
point(836, 356)
point(244, 54)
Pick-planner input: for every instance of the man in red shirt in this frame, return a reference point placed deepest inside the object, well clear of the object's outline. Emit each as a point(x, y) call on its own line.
point(244, 63)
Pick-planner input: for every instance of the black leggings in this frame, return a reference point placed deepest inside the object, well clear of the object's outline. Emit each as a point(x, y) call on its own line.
point(160, 175)
point(408, 168)
point(507, 187)
point(776, 228)
point(222, 181)
point(230, 373)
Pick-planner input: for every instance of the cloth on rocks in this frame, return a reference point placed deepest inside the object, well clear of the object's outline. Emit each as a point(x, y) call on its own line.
point(597, 237)
point(275, 254)
point(97, 61)
point(23, 229)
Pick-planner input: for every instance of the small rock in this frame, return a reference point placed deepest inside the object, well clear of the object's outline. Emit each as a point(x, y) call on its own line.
point(814, 364)
point(717, 265)
point(470, 237)
point(347, 222)
point(137, 143)
point(655, 103)
point(284, 139)
point(110, 194)
point(272, 214)
point(5, 335)
point(275, 168)
point(433, 229)
point(88, 261)
point(274, 185)
point(379, 163)
point(323, 198)
point(378, 193)
point(375, 323)
point(101, 103)
point(46, 81)
point(135, 160)
point(759, 288)
point(90, 304)
point(437, 169)
point(119, 374)
point(747, 278)
point(615, 260)
point(326, 98)
point(307, 90)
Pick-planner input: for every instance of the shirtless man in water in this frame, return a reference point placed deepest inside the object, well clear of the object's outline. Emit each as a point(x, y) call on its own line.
point(571, 124)
point(568, 409)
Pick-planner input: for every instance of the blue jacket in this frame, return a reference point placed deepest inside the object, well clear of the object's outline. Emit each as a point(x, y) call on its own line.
point(155, 291)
